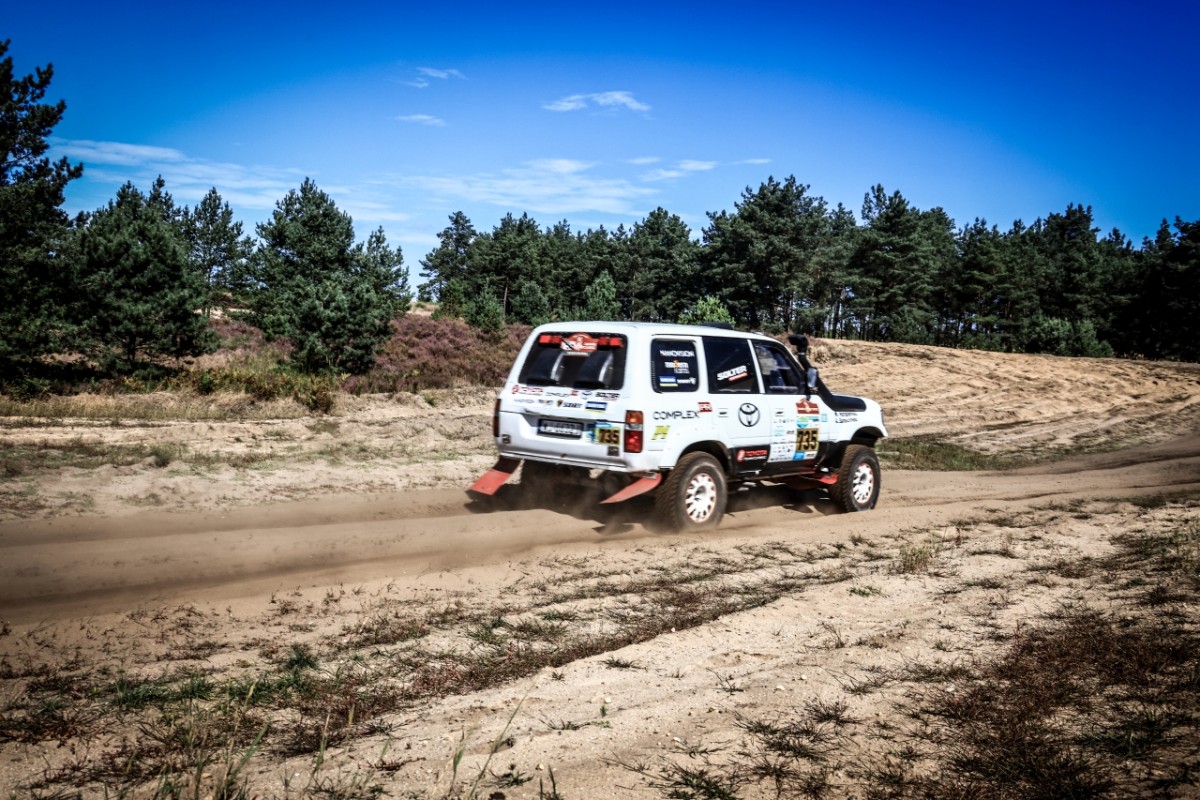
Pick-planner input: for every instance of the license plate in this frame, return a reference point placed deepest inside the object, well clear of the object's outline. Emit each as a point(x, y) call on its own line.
point(554, 427)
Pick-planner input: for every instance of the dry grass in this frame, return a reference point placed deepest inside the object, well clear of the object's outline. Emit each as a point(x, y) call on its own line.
point(1095, 698)
point(186, 406)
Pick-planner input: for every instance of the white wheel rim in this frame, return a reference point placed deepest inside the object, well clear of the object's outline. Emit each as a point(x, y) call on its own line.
point(701, 497)
point(863, 485)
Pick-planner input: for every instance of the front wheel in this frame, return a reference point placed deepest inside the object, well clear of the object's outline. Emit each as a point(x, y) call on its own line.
point(693, 495)
point(857, 487)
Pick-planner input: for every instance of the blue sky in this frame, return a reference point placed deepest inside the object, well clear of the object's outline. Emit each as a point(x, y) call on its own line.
point(598, 114)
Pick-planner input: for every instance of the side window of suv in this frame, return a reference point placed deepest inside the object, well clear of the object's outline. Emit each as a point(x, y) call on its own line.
point(730, 366)
point(674, 366)
point(779, 377)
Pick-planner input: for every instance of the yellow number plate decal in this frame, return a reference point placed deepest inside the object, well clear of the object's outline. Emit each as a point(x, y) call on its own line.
point(806, 439)
point(608, 436)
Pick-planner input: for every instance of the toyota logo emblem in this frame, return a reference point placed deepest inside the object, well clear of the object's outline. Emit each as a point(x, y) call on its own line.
point(748, 415)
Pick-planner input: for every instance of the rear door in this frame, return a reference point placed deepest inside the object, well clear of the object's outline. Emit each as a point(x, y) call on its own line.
point(678, 419)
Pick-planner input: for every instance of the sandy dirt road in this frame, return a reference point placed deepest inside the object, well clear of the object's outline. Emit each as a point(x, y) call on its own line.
point(60, 568)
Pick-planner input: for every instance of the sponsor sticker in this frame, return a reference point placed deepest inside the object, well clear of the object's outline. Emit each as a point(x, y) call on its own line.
point(705, 407)
point(755, 454)
point(677, 353)
point(579, 343)
point(676, 414)
point(660, 432)
point(597, 405)
point(782, 451)
point(807, 407)
point(667, 380)
point(735, 374)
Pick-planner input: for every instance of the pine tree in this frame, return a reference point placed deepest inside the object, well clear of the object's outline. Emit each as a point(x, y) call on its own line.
point(450, 260)
point(601, 300)
point(335, 302)
point(34, 281)
point(706, 309)
point(139, 297)
point(218, 249)
point(661, 268)
point(531, 305)
point(764, 255)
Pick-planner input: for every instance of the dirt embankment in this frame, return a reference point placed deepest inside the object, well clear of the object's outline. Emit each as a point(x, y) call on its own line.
point(344, 546)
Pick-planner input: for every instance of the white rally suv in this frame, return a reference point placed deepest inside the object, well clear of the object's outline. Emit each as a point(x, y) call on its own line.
point(684, 411)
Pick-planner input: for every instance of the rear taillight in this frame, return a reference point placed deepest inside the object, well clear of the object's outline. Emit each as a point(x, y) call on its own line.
point(633, 431)
point(496, 419)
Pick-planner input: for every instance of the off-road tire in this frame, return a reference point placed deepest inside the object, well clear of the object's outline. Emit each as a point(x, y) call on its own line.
point(858, 479)
point(693, 496)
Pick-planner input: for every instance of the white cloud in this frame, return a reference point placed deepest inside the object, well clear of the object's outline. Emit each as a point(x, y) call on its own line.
point(422, 119)
point(547, 186)
point(436, 74)
point(572, 103)
point(188, 179)
point(643, 161)
point(561, 166)
point(576, 102)
point(619, 99)
point(440, 74)
point(88, 151)
point(754, 161)
point(682, 169)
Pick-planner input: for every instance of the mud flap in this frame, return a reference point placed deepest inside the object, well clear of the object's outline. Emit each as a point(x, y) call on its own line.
point(640, 486)
point(494, 478)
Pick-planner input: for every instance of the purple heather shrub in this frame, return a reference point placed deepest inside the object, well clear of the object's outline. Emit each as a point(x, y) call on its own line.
point(425, 353)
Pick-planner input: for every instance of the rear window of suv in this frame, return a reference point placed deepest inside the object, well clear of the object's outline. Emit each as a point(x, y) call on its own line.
point(586, 360)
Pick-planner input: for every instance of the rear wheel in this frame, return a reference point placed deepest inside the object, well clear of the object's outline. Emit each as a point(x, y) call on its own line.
point(858, 480)
point(693, 495)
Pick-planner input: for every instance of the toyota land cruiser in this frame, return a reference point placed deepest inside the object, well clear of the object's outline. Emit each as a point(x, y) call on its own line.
point(686, 412)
